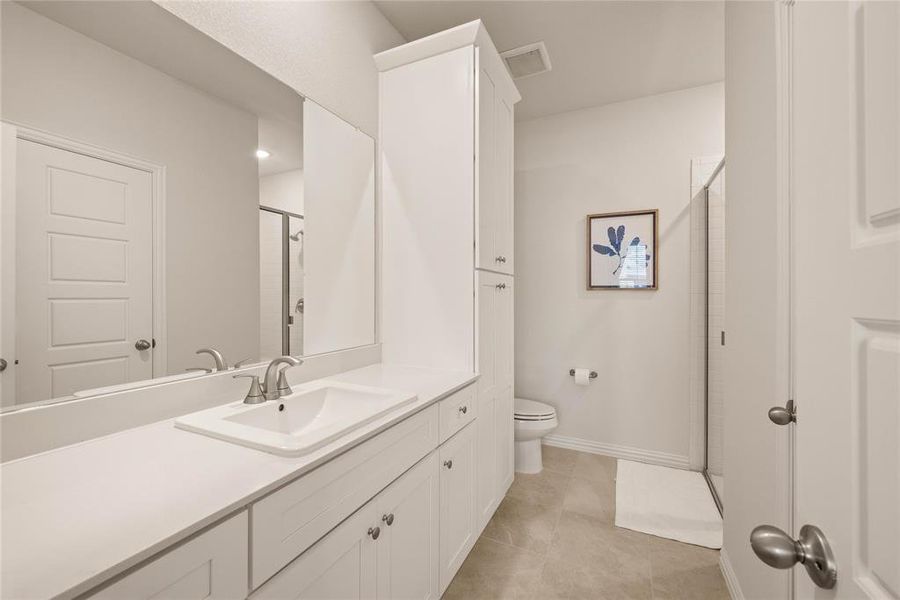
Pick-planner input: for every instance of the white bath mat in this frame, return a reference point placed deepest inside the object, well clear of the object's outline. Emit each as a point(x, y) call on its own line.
point(666, 502)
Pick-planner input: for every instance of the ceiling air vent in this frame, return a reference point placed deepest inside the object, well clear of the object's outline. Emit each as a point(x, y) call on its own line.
point(526, 61)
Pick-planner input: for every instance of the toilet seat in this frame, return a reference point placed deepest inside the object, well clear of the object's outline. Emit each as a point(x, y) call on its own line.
point(530, 410)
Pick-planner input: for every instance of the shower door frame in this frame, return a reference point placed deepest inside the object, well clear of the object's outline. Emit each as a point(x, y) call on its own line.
point(709, 482)
point(285, 274)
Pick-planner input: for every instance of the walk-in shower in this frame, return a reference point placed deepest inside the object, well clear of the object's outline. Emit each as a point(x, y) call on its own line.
point(280, 282)
point(715, 332)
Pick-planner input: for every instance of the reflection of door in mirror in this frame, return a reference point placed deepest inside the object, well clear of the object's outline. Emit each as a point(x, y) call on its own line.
point(83, 282)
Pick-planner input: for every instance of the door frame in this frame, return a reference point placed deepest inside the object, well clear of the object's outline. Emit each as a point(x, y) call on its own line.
point(158, 206)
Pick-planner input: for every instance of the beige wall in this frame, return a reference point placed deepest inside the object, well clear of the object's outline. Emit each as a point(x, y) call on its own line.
point(624, 156)
point(323, 49)
point(755, 468)
point(62, 82)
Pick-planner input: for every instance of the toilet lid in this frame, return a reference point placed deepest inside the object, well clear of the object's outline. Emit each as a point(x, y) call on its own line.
point(532, 410)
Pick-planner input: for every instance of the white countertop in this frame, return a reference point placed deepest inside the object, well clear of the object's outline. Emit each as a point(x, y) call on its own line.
point(73, 517)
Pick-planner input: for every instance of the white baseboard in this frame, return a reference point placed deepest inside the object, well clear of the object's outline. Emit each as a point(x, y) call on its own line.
point(626, 452)
point(734, 588)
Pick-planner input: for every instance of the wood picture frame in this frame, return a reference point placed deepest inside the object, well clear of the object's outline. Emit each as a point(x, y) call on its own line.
point(619, 254)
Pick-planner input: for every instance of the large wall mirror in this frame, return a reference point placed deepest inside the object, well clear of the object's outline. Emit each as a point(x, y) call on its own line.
point(162, 196)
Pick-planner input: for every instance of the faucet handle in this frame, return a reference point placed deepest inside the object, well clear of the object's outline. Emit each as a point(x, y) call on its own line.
point(284, 388)
point(255, 394)
point(242, 362)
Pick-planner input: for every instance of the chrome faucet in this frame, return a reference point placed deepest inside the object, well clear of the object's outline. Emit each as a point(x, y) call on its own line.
point(275, 385)
point(217, 356)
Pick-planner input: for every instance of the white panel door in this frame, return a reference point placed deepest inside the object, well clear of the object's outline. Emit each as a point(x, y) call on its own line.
point(407, 548)
point(340, 566)
point(84, 272)
point(339, 233)
point(8, 262)
point(212, 565)
point(846, 160)
point(457, 502)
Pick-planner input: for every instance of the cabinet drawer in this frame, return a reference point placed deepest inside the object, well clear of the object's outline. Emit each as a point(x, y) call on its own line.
point(457, 410)
point(289, 521)
point(211, 565)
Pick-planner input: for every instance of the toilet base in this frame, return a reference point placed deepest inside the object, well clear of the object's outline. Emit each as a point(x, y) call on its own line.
point(528, 456)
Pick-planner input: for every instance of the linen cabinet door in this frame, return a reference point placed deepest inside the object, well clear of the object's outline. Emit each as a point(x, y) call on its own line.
point(503, 174)
point(457, 502)
point(488, 331)
point(503, 397)
point(340, 566)
point(407, 550)
point(486, 205)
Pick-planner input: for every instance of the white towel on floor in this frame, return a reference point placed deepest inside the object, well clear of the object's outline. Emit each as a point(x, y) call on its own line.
point(666, 502)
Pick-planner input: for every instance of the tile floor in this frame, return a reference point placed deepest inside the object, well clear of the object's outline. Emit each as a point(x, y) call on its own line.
point(553, 536)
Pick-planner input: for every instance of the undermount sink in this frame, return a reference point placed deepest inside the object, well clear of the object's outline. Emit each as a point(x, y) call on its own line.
point(313, 415)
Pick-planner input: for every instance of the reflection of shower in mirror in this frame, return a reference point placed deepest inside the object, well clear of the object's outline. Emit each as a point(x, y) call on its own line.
point(296, 236)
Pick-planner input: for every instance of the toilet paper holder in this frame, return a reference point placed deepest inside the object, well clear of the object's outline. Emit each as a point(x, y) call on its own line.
point(593, 374)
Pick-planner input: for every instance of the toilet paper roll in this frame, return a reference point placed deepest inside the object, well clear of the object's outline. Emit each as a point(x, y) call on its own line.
point(582, 376)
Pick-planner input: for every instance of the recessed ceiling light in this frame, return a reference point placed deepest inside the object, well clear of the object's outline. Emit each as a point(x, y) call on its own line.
point(260, 154)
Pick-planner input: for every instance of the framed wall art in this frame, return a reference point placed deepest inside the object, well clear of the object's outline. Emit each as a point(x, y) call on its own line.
point(621, 252)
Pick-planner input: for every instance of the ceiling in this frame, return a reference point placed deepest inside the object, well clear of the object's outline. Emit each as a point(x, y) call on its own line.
point(602, 52)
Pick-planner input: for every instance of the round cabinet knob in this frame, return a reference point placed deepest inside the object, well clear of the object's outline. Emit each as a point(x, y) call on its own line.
point(374, 532)
point(389, 519)
point(2, 364)
point(783, 415)
point(463, 409)
point(142, 345)
point(448, 464)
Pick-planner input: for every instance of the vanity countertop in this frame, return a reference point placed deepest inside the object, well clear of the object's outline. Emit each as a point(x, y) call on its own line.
point(79, 515)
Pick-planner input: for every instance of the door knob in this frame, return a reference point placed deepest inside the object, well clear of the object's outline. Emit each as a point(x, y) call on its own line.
point(2, 364)
point(142, 345)
point(783, 415)
point(389, 519)
point(448, 464)
point(374, 532)
point(777, 549)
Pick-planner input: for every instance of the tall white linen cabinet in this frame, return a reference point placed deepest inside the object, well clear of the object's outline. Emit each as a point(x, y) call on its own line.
point(446, 151)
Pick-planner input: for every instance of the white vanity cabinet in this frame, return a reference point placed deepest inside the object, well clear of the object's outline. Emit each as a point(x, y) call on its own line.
point(211, 565)
point(386, 549)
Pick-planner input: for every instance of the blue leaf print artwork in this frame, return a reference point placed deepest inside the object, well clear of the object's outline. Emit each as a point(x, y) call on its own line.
point(616, 236)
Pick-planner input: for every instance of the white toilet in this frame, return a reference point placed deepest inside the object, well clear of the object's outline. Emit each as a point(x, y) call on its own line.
point(533, 420)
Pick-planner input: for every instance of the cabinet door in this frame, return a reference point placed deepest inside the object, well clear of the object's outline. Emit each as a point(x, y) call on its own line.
point(503, 174)
point(340, 566)
point(457, 502)
point(407, 550)
point(488, 331)
point(503, 396)
point(486, 209)
point(211, 565)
